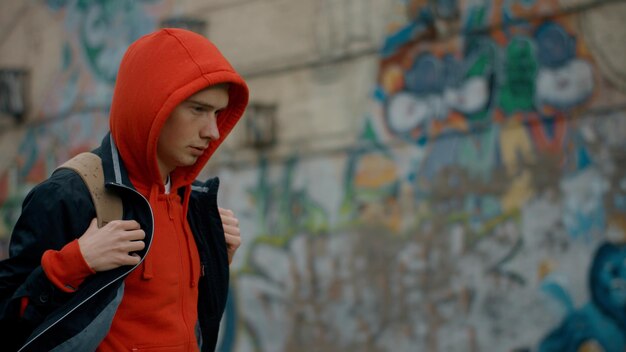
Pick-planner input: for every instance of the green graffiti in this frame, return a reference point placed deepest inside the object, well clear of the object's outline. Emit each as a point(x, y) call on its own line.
point(482, 68)
point(518, 90)
point(282, 209)
point(106, 30)
point(478, 153)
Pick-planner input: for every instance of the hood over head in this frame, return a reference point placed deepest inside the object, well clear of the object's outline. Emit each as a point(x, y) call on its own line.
point(157, 73)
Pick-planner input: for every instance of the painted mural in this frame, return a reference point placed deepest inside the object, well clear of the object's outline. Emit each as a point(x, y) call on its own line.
point(74, 115)
point(482, 210)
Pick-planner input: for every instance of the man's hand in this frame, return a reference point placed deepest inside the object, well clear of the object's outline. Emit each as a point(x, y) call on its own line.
point(231, 232)
point(109, 247)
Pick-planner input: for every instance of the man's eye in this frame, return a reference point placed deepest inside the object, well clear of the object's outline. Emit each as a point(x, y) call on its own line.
point(198, 109)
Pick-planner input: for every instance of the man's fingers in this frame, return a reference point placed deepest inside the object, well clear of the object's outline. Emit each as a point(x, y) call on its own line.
point(124, 224)
point(133, 235)
point(226, 212)
point(231, 230)
point(229, 220)
point(233, 240)
point(132, 259)
point(232, 234)
point(130, 225)
point(135, 246)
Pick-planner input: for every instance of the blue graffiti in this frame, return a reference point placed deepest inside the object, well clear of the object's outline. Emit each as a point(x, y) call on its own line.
point(608, 282)
point(400, 38)
point(446, 9)
point(426, 75)
point(581, 224)
point(423, 20)
point(602, 321)
point(555, 47)
point(444, 153)
point(29, 151)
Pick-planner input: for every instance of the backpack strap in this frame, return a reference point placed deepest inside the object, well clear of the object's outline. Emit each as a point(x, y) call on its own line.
point(89, 166)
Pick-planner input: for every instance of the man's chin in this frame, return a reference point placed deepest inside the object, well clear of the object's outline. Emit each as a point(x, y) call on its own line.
point(192, 160)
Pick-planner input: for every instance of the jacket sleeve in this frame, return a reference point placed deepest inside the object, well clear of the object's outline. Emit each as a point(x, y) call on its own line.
point(54, 213)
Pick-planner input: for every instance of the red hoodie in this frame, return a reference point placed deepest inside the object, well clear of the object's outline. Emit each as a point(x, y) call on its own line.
point(158, 72)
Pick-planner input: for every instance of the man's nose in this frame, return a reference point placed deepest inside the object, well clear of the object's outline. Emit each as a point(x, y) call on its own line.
point(210, 130)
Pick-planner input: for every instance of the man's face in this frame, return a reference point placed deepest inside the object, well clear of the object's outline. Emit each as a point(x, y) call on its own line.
point(190, 128)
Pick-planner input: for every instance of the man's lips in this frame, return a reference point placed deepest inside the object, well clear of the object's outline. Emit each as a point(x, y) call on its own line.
point(198, 150)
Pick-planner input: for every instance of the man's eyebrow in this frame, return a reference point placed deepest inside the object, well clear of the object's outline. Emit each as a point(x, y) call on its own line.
point(199, 103)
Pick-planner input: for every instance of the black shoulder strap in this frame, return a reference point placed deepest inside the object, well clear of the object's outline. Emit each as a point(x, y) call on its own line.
point(89, 167)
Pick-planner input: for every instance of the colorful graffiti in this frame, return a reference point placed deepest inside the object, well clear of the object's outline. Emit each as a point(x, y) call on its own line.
point(600, 323)
point(484, 173)
point(74, 115)
point(483, 208)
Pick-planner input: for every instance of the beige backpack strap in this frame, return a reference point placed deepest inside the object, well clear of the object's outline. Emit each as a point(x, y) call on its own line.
point(89, 166)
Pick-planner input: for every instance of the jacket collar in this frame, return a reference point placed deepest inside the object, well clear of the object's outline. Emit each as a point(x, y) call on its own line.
point(112, 164)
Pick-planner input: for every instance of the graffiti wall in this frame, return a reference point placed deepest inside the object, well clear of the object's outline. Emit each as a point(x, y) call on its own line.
point(74, 115)
point(482, 209)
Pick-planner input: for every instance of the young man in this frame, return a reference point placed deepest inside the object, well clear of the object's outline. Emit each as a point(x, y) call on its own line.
point(158, 278)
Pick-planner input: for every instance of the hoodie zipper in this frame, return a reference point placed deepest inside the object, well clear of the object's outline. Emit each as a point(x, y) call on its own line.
point(106, 285)
point(184, 245)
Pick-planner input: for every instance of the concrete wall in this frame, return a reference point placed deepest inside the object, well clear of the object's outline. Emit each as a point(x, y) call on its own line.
point(460, 188)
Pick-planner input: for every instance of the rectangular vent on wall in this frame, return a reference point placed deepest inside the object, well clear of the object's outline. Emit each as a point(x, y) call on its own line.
point(14, 102)
point(260, 126)
point(193, 24)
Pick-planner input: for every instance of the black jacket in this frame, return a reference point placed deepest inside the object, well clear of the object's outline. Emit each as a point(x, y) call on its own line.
point(59, 210)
